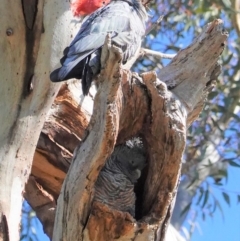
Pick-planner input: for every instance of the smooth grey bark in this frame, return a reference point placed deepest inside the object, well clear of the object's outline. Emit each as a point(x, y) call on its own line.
point(33, 34)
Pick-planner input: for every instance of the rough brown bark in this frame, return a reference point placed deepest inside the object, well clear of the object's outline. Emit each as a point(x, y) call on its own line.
point(145, 101)
point(44, 204)
point(98, 145)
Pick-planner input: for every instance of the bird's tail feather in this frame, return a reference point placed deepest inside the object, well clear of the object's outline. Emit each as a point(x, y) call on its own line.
point(87, 76)
point(54, 75)
point(81, 71)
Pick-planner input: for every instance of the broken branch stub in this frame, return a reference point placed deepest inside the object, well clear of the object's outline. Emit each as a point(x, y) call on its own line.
point(191, 69)
point(75, 198)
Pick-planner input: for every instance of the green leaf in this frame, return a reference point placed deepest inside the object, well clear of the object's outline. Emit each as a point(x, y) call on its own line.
point(238, 198)
point(214, 206)
point(200, 197)
point(221, 108)
point(23, 236)
point(226, 198)
point(235, 116)
point(227, 3)
point(212, 94)
point(229, 57)
point(220, 208)
point(185, 209)
point(206, 196)
point(191, 183)
point(234, 164)
point(223, 173)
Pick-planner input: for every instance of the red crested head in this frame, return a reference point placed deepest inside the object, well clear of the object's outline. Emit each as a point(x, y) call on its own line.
point(85, 7)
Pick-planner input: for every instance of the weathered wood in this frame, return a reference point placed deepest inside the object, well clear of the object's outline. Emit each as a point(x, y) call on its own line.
point(188, 74)
point(146, 102)
point(163, 171)
point(166, 142)
point(75, 199)
point(44, 203)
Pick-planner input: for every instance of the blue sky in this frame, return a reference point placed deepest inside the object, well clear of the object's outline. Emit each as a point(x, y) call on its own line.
point(216, 228)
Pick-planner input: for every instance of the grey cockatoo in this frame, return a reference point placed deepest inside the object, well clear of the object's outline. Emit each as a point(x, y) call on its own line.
point(124, 20)
point(115, 184)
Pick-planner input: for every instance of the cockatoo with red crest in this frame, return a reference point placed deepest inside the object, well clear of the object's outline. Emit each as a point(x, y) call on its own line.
point(124, 20)
point(86, 7)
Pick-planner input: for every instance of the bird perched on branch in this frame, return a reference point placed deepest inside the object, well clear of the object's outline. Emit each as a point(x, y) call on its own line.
point(115, 184)
point(124, 20)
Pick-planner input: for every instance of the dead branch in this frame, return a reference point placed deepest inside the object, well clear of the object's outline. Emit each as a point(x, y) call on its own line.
point(141, 104)
point(156, 54)
point(75, 200)
point(189, 72)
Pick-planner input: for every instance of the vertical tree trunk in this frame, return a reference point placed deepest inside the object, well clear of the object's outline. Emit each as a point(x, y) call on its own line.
point(33, 33)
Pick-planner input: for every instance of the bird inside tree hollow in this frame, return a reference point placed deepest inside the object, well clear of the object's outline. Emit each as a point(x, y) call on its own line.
point(124, 20)
point(116, 181)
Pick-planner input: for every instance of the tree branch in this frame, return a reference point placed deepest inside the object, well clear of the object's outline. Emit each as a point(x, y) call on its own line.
point(210, 43)
point(156, 54)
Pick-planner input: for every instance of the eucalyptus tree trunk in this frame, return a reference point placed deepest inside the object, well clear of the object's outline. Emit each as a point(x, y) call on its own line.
point(32, 32)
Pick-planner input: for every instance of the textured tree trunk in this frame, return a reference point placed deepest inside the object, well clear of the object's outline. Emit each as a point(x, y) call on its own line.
point(125, 105)
point(29, 46)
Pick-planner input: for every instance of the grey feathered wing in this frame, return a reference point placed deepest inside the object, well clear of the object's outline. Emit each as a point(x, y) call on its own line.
point(120, 20)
